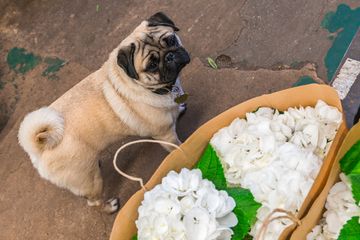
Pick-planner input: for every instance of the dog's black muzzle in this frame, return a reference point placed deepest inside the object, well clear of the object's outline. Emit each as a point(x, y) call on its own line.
point(174, 61)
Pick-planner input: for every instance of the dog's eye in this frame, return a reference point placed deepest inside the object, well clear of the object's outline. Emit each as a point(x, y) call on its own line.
point(171, 41)
point(153, 66)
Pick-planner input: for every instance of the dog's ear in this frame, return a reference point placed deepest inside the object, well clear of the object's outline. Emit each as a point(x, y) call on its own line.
point(160, 19)
point(125, 59)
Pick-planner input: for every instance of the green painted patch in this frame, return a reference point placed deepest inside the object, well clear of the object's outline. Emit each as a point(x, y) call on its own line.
point(304, 80)
point(343, 24)
point(22, 61)
point(53, 66)
point(331, 37)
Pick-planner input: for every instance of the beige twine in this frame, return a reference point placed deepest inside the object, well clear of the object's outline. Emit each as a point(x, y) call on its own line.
point(288, 215)
point(137, 179)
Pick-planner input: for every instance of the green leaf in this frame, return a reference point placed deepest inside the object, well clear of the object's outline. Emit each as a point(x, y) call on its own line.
point(245, 202)
point(355, 186)
point(212, 63)
point(242, 228)
point(182, 98)
point(245, 211)
point(350, 162)
point(134, 237)
point(248, 237)
point(211, 168)
point(350, 165)
point(246, 206)
point(351, 230)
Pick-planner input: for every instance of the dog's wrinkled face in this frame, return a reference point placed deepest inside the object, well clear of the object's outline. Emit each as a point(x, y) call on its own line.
point(153, 55)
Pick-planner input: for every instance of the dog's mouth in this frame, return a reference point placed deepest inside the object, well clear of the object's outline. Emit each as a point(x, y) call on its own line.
point(160, 87)
point(165, 88)
point(163, 91)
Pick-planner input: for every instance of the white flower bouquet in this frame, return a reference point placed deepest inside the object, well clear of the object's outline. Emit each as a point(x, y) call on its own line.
point(277, 156)
point(341, 219)
point(210, 161)
point(186, 206)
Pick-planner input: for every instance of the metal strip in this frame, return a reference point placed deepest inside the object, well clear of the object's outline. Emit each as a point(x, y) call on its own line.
point(346, 77)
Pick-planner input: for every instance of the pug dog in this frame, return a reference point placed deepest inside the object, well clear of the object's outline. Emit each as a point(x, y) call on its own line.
point(132, 94)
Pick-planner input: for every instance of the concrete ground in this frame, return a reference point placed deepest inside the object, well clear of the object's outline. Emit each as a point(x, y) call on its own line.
point(261, 46)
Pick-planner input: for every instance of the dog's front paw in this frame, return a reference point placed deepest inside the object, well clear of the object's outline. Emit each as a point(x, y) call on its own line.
point(112, 205)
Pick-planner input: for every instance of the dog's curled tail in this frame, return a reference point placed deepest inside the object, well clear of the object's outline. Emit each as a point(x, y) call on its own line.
point(41, 130)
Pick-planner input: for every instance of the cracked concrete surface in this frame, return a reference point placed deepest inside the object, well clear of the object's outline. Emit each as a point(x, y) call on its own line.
point(254, 35)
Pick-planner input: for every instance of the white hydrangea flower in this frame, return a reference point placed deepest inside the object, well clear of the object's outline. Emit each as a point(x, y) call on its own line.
point(166, 206)
point(183, 183)
point(217, 203)
point(328, 113)
point(277, 156)
point(185, 207)
point(340, 207)
point(156, 226)
point(187, 203)
point(199, 224)
point(316, 234)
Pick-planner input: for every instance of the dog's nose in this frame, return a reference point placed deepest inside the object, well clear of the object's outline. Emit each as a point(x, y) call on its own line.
point(178, 58)
point(184, 56)
point(169, 57)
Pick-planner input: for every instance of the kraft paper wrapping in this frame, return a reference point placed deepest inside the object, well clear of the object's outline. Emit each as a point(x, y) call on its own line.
point(124, 226)
point(317, 209)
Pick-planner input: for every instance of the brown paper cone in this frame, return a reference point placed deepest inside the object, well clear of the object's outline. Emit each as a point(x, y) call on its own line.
point(317, 209)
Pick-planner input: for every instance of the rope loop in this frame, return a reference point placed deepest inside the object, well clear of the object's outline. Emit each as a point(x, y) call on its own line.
point(137, 179)
point(288, 215)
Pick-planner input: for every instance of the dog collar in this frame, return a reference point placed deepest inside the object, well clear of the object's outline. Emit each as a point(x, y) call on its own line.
point(164, 90)
point(180, 96)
